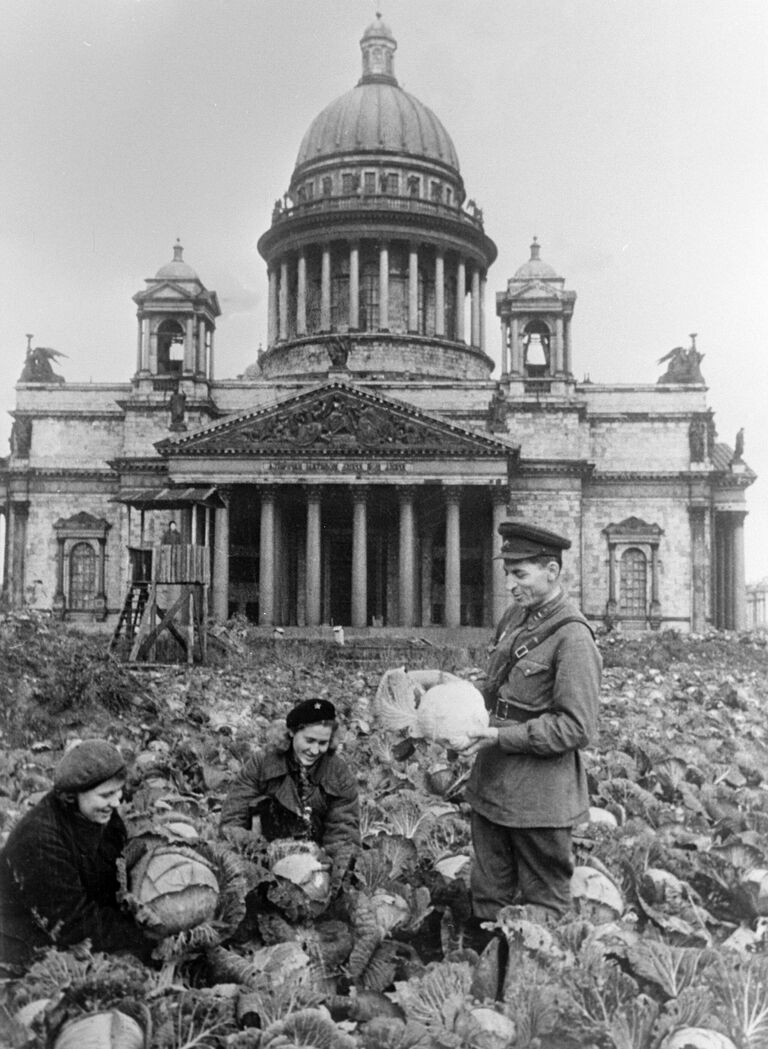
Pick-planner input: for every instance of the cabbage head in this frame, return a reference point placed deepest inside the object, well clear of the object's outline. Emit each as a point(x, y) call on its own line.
point(450, 713)
point(177, 886)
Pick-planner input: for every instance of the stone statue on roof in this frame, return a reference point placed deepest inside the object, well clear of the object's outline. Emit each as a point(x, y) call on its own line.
point(38, 366)
point(683, 366)
point(738, 450)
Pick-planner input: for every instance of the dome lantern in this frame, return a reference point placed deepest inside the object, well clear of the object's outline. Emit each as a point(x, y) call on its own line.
point(378, 46)
point(177, 268)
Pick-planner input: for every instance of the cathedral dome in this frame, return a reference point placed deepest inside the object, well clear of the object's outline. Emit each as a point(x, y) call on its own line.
point(177, 269)
point(535, 268)
point(377, 116)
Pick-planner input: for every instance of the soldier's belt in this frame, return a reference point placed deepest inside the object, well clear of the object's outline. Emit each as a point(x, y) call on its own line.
point(511, 711)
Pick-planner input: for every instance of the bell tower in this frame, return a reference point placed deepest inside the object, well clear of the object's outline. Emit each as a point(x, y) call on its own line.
point(535, 312)
point(176, 324)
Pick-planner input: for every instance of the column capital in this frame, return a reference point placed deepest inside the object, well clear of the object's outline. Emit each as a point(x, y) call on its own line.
point(453, 493)
point(406, 493)
point(360, 493)
point(225, 493)
point(314, 492)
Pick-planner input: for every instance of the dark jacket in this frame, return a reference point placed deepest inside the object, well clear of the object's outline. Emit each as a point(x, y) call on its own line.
point(534, 776)
point(58, 884)
point(267, 787)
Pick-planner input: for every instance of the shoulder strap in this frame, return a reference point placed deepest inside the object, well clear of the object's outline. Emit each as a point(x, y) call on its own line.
point(546, 631)
point(495, 678)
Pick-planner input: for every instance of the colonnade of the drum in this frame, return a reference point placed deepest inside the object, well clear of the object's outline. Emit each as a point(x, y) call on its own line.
point(291, 271)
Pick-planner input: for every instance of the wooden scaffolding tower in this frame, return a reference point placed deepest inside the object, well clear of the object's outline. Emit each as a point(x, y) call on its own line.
point(168, 594)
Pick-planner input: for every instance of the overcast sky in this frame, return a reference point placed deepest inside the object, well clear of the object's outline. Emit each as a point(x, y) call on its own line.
point(630, 136)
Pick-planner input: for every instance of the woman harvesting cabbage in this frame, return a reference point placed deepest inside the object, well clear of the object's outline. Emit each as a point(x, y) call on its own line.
point(299, 787)
point(58, 874)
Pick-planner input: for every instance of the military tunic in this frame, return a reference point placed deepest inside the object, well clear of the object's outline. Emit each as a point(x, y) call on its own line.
point(533, 780)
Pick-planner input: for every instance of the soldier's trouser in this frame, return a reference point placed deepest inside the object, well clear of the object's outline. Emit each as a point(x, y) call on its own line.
point(515, 865)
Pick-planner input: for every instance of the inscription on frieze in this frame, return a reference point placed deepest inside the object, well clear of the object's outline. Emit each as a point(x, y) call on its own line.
point(345, 466)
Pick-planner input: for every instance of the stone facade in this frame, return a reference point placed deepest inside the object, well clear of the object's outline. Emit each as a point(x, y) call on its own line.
point(358, 471)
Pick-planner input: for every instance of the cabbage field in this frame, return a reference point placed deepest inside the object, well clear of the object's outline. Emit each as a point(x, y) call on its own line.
point(267, 947)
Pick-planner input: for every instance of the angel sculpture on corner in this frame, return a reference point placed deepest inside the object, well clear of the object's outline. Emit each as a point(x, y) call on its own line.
point(683, 366)
point(38, 366)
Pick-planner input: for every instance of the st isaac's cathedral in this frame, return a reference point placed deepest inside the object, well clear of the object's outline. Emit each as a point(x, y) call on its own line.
point(356, 474)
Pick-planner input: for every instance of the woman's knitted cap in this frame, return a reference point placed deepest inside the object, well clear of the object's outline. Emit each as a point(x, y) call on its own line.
point(86, 765)
point(310, 712)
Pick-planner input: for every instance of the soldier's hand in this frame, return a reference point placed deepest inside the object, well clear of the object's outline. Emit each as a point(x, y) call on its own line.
point(479, 741)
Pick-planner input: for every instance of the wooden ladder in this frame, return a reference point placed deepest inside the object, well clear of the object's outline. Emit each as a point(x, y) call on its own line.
point(131, 612)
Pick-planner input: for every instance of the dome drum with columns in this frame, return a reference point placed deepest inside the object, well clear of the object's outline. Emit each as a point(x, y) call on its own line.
point(376, 243)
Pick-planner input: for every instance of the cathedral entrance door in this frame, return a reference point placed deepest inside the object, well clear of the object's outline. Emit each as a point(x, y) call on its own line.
point(337, 576)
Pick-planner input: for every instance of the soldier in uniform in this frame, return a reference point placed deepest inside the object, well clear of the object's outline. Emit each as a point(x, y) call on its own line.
point(528, 786)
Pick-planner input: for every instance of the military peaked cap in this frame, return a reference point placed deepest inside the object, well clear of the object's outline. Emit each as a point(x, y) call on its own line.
point(522, 541)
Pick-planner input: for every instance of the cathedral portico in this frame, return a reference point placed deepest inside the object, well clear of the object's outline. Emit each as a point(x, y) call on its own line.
point(362, 495)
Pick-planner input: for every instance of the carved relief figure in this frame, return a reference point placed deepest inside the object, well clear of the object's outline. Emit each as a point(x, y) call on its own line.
point(697, 439)
point(21, 437)
point(497, 411)
point(338, 350)
point(178, 406)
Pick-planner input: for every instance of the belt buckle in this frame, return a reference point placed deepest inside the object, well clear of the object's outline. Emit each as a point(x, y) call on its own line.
point(521, 651)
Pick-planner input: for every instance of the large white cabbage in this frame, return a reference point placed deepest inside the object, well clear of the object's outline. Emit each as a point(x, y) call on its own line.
point(451, 713)
point(448, 711)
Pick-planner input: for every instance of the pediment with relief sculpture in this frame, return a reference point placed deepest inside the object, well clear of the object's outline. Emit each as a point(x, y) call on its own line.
point(337, 419)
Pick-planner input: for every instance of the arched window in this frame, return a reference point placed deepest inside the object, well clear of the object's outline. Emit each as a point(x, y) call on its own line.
point(633, 584)
point(82, 577)
point(170, 348)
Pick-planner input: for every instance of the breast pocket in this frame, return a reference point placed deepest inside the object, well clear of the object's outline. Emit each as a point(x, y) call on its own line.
point(531, 683)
